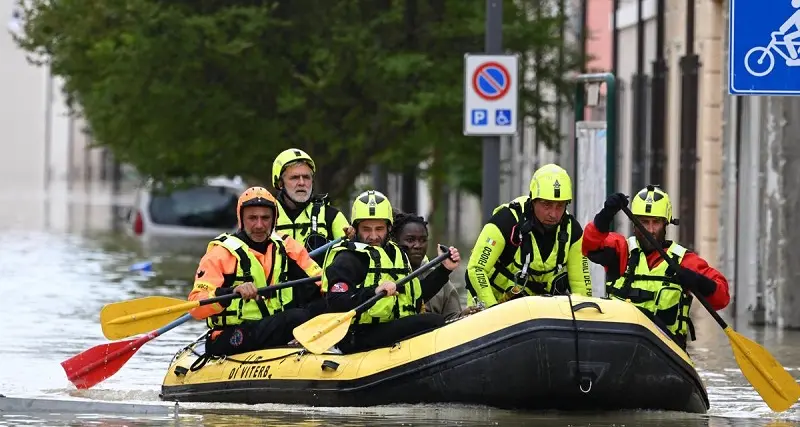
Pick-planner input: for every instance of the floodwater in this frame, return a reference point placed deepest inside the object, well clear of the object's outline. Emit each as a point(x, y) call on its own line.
point(64, 258)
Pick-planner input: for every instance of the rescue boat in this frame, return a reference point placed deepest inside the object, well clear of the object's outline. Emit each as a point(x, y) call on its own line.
point(561, 353)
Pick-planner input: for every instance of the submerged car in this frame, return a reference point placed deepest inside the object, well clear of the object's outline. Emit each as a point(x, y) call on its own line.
point(198, 210)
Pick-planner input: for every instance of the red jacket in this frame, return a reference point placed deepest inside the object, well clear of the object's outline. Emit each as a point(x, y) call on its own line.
point(611, 251)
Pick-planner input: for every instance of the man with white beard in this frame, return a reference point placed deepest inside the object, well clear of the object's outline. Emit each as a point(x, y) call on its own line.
point(308, 219)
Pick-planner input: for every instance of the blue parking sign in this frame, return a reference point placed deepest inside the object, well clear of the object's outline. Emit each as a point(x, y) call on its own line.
point(479, 117)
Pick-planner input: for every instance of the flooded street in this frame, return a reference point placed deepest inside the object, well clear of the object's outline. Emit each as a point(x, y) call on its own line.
point(63, 260)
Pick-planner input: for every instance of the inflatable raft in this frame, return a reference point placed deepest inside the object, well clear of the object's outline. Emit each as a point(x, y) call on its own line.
point(529, 353)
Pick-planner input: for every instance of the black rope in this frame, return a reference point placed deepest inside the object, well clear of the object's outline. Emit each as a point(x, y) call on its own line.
point(244, 362)
point(202, 359)
point(583, 379)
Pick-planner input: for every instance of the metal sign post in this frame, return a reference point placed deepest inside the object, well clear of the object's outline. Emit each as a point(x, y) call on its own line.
point(491, 105)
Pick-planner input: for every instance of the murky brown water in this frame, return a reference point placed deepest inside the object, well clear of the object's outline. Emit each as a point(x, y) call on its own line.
point(62, 261)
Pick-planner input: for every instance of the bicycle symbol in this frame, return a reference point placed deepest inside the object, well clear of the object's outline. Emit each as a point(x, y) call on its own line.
point(766, 55)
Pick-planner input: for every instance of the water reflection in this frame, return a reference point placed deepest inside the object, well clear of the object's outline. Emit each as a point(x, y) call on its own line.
point(399, 416)
point(65, 258)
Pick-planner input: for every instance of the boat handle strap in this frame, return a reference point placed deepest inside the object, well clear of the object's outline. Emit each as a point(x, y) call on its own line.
point(586, 304)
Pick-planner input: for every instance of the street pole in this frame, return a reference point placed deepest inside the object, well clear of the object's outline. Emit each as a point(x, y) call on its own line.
point(658, 102)
point(639, 86)
point(379, 179)
point(690, 69)
point(490, 187)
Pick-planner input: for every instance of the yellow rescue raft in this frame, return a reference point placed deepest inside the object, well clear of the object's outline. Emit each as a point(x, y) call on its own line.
point(530, 353)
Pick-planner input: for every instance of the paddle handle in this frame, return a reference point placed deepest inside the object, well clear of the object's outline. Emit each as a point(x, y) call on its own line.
point(432, 263)
point(261, 291)
point(672, 263)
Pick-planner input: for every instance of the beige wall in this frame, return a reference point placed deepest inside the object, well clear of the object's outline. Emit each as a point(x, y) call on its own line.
point(41, 143)
point(22, 111)
point(710, 25)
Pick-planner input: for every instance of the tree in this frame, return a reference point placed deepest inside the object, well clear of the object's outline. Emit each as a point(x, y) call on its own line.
point(183, 88)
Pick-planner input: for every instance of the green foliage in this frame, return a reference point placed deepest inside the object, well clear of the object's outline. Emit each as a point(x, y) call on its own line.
point(183, 88)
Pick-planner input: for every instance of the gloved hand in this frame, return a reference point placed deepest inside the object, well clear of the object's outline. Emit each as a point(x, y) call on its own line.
point(694, 281)
point(614, 203)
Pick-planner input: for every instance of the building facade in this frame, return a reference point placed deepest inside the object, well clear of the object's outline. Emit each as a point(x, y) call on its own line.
point(42, 142)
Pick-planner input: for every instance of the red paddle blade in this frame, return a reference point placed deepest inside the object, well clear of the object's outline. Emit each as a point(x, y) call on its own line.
point(101, 361)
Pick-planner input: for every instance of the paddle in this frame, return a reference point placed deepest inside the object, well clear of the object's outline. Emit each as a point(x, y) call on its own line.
point(154, 311)
point(102, 361)
point(776, 386)
point(128, 318)
point(324, 331)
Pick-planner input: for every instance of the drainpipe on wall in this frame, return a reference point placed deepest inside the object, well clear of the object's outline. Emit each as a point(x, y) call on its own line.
point(614, 39)
point(658, 104)
point(615, 71)
point(639, 122)
point(690, 67)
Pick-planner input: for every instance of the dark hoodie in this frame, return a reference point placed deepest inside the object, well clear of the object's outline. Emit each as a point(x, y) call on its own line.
point(350, 268)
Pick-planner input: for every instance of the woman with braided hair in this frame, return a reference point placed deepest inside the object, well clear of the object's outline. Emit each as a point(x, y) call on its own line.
point(410, 232)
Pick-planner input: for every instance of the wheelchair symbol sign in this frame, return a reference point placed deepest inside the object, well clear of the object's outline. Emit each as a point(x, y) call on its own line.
point(502, 118)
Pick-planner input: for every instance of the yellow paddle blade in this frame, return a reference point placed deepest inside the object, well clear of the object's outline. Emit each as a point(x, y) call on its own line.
point(776, 386)
point(128, 318)
point(324, 331)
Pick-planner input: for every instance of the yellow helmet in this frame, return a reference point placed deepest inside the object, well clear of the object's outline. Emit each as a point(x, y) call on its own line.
point(653, 201)
point(286, 158)
point(551, 182)
point(371, 205)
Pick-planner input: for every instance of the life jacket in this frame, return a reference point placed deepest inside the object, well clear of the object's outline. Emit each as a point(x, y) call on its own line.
point(527, 269)
point(381, 268)
point(312, 227)
point(656, 291)
point(249, 269)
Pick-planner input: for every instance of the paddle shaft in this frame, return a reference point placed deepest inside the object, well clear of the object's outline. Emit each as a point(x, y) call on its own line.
point(284, 285)
point(673, 264)
point(438, 260)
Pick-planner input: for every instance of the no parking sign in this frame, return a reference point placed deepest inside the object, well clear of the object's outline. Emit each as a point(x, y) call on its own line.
point(490, 94)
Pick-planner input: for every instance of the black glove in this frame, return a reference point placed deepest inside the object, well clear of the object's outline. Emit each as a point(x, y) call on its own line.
point(694, 281)
point(614, 203)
